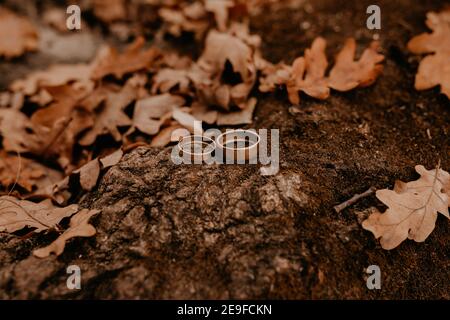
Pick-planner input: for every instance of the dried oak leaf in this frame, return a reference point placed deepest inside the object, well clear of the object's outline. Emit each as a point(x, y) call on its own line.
point(87, 177)
point(413, 208)
point(17, 214)
point(27, 173)
point(308, 73)
point(60, 124)
point(56, 75)
point(17, 34)
point(220, 50)
point(111, 115)
point(18, 131)
point(348, 74)
point(79, 227)
point(132, 59)
point(152, 112)
point(434, 69)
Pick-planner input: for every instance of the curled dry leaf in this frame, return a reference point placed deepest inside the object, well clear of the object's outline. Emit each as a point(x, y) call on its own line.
point(434, 69)
point(133, 59)
point(413, 208)
point(17, 34)
point(17, 214)
point(79, 227)
point(222, 49)
point(152, 112)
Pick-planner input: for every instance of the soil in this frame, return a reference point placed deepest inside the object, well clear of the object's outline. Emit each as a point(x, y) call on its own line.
point(224, 231)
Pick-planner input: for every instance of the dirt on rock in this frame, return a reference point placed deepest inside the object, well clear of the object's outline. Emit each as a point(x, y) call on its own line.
point(171, 231)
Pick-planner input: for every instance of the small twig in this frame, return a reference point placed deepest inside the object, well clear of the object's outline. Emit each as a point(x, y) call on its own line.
point(354, 199)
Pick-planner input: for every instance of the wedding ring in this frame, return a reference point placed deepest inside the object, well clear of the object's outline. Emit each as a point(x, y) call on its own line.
point(197, 148)
point(239, 144)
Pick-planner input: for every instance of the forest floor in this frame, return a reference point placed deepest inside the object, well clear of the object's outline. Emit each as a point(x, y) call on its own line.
point(220, 232)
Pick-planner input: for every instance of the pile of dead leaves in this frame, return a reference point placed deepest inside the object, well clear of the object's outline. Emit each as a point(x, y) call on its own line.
point(63, 126)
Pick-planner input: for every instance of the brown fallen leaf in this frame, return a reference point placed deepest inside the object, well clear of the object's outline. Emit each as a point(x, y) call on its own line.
point(60, 124)
point(111, 159)
point(18, 131)
point(348, 74)
point(56, 75)
point(152, 112)
point(131, 60)
point(66, 98)
point(209, 74)
point(89, 174)
point(413, 208)
point(17, 34)
point(17, 214)
point(434, 69)
point(308, 73)
point(26, 173)
point(111, 115)
point(222, 50)
point(79, 227)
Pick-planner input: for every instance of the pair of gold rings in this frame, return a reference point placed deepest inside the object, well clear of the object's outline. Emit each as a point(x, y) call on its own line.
point(231, 145)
